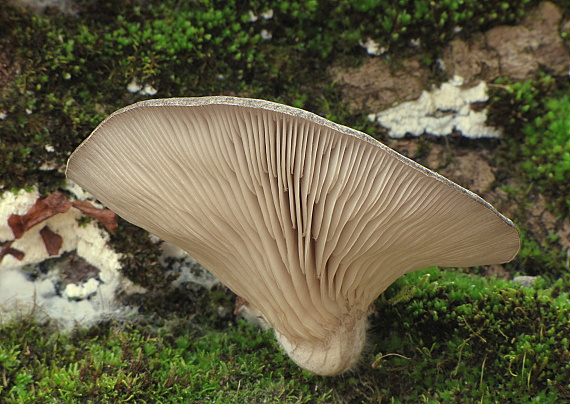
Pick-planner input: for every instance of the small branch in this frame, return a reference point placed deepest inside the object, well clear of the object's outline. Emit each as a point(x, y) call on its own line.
point(8, 250)
point(43, 209)
point(107, 217)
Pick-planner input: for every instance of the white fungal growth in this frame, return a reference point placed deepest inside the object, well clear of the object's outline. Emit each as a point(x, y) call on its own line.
point(252, 17)
point(81, 291)
point(20, 292)
point(148, 90)
point(267, 15)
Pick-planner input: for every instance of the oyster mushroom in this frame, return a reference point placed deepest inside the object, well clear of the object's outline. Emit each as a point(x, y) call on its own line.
point(307, 220)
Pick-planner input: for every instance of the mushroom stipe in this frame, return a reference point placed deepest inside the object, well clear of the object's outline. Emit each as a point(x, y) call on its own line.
point(307, 220)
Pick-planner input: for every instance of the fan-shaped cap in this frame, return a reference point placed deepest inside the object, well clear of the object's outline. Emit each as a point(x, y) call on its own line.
point(309, 221)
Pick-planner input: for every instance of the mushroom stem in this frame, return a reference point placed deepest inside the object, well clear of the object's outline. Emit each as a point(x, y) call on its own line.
point(333, 356)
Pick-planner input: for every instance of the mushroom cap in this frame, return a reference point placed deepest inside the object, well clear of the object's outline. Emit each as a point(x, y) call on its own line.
point(308, 220)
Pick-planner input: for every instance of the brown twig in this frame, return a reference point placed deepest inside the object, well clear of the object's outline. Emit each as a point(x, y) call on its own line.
point(8, 250)
point(43, 209)
point(107, 217)
point(46, 207)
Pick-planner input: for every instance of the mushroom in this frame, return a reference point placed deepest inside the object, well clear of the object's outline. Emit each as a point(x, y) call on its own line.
point(307, 220)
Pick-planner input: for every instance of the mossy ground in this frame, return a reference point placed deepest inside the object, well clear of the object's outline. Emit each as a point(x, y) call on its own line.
point(457, 338)
point(460, 338)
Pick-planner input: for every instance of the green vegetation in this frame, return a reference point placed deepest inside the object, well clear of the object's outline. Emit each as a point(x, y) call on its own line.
point(67, 73)
point(535, 152)
point(436, 337)
point(140, 364)
point(514, 104)
point(461, 337)
point(547, 151)
point(538, 130)
point(546, 258)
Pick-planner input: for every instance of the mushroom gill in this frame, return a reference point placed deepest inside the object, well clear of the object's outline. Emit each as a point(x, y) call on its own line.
point(307, 220)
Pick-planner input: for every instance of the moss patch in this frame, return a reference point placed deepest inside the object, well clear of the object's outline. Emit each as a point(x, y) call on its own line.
point(534, 156)
point(436, 336)
point(458, 339)
point(65, 74)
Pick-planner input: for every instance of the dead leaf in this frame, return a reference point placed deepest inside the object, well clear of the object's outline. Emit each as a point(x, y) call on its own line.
point(240, 302)
point(52, 241)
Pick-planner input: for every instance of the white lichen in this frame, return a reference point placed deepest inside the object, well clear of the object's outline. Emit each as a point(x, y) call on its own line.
point(148, 90)
point(134, 86)
point(251, 16)
point(265, 34)
point(81, 291)
point(372, 47)
point(142, 89)
point(267, 15)
point(440, 112)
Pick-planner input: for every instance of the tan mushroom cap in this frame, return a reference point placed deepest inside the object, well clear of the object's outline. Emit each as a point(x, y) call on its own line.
point(307, 220)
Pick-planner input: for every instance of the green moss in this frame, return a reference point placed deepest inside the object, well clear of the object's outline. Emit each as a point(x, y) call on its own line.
point(448, 337)
point(74, 71)
point(169, 360)
point(139, 256)
point(534, 116)
point(330, 27)
point(461, 336)
point(546, 150)
point(514, 103)
point(545, 258)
